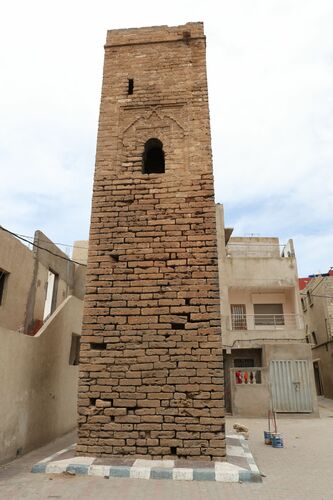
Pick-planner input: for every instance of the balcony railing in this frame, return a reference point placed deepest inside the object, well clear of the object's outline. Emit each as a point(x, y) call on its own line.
point(241, 322)
point(247, 376)
point(247, 248)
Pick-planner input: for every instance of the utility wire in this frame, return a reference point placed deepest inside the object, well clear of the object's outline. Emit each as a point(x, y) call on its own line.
point(41, 248)
point(54, 242)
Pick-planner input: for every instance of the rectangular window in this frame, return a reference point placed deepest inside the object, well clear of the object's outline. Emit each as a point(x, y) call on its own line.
point(268, 314)
point(243, 363)
point(309, 297)
point(51, 294)
point(3, 281)
point(130, 89)
point(303, 301)
point(238, 317)
point(314, 338)
point(74, 355)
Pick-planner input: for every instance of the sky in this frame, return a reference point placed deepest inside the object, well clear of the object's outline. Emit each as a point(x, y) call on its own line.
point(270, 79)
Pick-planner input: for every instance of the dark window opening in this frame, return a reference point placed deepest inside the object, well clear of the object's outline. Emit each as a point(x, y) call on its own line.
point(3, 278)
point(97, 346)
point(173, 450)
point(178, 326)
point(153, 157)
point(243, 363)
point(74, 355)
point(309, 296)
point(303, 301)
point(130, 86)
point(187, 36)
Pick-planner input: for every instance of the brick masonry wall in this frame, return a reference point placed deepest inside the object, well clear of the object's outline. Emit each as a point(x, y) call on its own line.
point(151, 379)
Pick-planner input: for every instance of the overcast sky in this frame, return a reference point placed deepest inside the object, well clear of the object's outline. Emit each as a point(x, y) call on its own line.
point(270, 73)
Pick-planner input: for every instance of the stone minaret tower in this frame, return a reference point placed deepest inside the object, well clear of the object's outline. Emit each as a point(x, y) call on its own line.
point(151, 380)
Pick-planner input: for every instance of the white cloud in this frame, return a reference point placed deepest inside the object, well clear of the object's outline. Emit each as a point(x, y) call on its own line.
point(270, 89)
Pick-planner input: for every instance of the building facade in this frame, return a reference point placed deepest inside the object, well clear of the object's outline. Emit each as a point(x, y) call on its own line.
point(34, 282)
point(316, 293)
point(267, 362)
point(151, 355)
point(41, 308)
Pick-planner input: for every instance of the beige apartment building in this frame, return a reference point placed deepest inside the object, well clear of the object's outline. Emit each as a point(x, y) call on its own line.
point(35, 281)
point(317, 301)
point(267, 362)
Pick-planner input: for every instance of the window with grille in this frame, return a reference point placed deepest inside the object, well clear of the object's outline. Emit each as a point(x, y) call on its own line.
point(238, 317)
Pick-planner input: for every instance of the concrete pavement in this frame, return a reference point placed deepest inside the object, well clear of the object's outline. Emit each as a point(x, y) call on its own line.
point(302, 470)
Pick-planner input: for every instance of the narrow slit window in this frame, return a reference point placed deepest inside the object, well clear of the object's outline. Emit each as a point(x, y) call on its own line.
point(51, 294)
point(130, 86)
point(153, 157)
point(3, 279)
point(74, 354)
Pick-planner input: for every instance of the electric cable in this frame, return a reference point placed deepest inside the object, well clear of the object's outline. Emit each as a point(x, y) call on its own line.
point(41, 248)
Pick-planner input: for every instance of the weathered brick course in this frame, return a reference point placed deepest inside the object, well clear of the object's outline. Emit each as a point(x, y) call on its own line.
point(151, 379)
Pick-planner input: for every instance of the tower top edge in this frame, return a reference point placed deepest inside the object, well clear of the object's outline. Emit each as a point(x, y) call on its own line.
point(154, 34)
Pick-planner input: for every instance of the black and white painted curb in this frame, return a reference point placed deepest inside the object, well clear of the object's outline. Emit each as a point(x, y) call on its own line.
point(228, 472)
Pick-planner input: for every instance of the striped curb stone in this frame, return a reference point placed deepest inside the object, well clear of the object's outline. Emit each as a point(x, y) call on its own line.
point(242, 469)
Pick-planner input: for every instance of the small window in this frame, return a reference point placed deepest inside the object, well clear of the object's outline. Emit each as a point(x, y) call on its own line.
point(238, 317)
point(153, 157)
point(303, 301)
point(97, 346)
point(314, 338)
point(130, 89)
point(51, 294)
point(309, 296)
point(74, 355)
point(3, 280)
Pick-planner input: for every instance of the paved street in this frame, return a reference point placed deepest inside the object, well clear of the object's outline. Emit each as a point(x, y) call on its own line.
point(302, 470)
